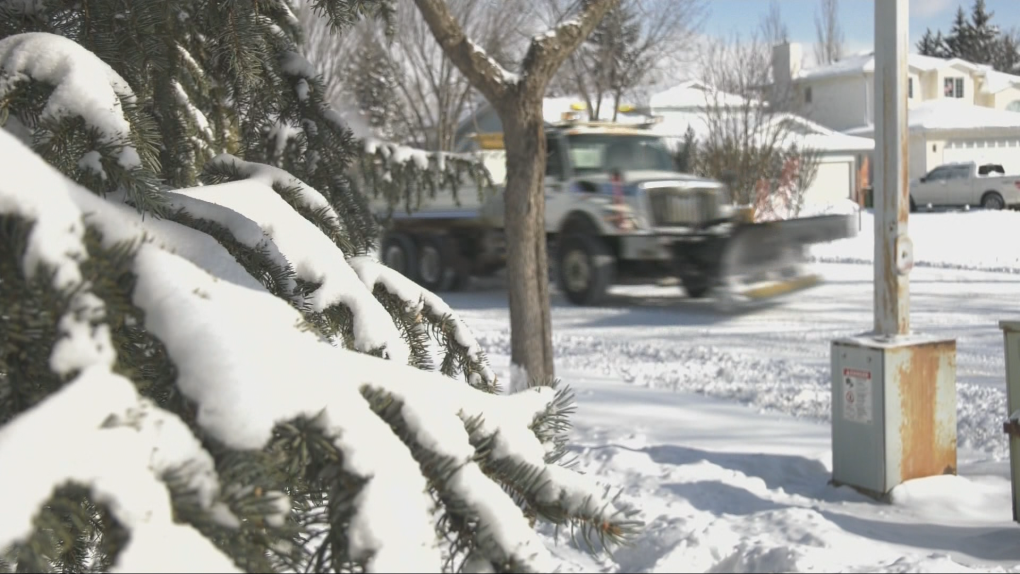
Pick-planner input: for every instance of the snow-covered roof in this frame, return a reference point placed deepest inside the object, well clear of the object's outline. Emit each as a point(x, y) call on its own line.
point(693, 94)
point(950, 114)
point(801, 131)
point(864, 63)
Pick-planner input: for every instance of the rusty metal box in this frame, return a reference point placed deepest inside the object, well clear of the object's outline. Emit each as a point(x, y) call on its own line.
point(893, 410)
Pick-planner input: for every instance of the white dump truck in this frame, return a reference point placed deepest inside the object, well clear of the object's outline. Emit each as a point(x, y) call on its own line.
point(617, 212)
point(966, 184)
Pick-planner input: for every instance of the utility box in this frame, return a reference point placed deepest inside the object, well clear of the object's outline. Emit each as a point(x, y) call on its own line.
point(893, 410)
point(1011, 334)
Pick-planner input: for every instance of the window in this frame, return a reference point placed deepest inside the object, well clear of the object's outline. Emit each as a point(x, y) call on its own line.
point(910, 87)
point(1014, 106)
point(953, 87)
point(553, 160)
point(807, 95)
point(937, 174)
point(595, 153)
point(962, 172)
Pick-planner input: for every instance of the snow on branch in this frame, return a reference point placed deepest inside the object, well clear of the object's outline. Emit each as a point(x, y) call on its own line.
point(391, 169)
point(316, 259)
point(88, 124)
point(111, 441)
point(460, 343)
point(83, 85)
point(118, 446)
point(394, 171)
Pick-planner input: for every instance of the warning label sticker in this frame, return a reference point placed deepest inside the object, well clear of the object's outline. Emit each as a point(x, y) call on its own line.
point(857, 395)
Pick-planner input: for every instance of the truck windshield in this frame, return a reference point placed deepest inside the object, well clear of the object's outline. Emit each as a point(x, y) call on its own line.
point(601, 153)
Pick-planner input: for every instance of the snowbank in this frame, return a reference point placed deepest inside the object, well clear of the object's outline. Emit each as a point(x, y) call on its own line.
point(980, 240)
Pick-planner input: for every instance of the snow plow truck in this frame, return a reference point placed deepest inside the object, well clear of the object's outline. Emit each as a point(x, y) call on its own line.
point(617, 212)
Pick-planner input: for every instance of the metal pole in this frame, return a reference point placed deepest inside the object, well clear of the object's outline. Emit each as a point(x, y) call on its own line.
point(893, 251)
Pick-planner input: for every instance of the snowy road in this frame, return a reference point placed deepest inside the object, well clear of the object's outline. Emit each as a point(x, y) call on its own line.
point(775, 358)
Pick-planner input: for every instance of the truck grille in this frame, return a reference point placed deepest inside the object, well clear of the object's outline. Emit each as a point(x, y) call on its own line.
point(671, 207)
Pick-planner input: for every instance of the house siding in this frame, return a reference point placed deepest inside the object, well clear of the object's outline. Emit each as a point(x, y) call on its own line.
point(1002, 99)
point(837, 103)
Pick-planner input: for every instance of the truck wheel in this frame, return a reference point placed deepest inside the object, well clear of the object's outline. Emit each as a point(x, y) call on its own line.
point(696, 286)
point(992, 200)
point(400, 255)
point(585, 268)
point(440, 265)
point(433, 263)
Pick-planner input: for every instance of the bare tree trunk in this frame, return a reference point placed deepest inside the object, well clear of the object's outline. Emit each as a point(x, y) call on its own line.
point(518, 100)
point(527, 259)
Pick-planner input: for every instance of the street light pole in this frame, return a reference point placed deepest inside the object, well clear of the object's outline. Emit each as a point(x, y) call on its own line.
point(893, 249)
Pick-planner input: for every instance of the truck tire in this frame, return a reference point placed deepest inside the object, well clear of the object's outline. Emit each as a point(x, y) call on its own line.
point(399, 253)
point(440, 265)
point(585, 268)
point(433, 262)
point(992, 200)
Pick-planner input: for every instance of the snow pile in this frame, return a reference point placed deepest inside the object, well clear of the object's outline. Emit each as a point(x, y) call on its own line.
point(247, 364)
point(979, 240)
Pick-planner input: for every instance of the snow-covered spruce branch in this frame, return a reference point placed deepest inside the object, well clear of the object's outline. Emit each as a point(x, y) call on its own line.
point(415, 308)
point(462, 351)
point(232, 345)
point(102, 140)
point(398, 173)
point(402, 174)
point(317, 262)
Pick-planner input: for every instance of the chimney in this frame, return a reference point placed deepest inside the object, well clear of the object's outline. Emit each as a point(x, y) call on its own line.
point(786, 62)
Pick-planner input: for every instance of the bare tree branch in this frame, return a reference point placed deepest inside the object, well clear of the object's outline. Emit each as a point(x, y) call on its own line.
point(548, 51)
point(829, 32)
point(625, 62)
point(773, 28)
point(748, 143)
point(483, 72)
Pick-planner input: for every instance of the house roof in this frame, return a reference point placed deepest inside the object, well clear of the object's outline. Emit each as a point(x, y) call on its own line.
point(948, 115)
point(799, 130)
point(693, 94)
point(864, 63)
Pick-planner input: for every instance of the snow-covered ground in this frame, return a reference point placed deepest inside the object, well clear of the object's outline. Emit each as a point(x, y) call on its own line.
point(717, 425)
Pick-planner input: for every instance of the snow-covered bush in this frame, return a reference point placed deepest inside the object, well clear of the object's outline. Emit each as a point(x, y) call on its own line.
point(201, 367)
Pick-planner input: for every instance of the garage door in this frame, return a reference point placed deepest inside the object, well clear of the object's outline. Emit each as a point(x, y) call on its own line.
point(1005, 151)
point(832, 183)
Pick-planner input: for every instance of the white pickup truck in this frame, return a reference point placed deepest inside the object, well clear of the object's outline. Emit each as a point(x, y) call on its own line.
point(966, 184)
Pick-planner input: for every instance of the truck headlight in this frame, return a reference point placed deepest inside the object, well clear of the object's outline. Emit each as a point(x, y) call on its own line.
point(620, 217)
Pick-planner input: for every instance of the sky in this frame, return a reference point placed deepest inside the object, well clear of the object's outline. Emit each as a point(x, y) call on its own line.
point(857, 17)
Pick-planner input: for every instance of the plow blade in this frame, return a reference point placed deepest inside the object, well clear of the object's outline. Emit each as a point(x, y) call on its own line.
point(765, 261)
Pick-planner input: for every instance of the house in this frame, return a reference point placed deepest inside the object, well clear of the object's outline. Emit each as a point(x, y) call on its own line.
point(839, 155)
point(945, 131)
point(957, 110)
